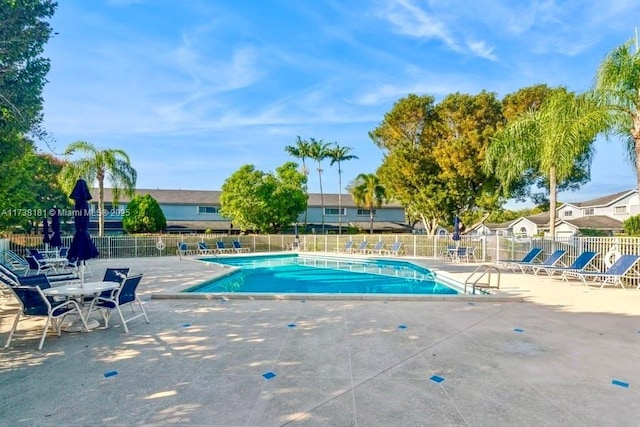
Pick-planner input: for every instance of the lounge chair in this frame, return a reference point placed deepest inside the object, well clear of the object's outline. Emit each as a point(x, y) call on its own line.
point(35, 303)
point(221, 248)
point(39, 265)
point(348, 247)
point(613, 275)
point(237, 247)
point(126, 294)
point(183, 250)
point(14, 261)
point(377, 249)
point(551, 261)
point(362, 247)
point(203, 249)
point(395, 249)
point(582, 263)
point(530, 257)
point(14, 276)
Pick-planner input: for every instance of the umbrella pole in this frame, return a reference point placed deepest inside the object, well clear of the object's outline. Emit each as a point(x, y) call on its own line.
point(81, 268)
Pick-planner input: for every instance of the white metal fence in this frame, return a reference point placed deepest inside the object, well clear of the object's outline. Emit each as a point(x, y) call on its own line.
point(487, 248)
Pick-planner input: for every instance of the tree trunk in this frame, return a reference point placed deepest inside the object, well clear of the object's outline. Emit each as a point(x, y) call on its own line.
point(553, 194)
point(306, 190)
point(101, 207)
point(635, 133)
point(321, 195)
point(370, 219)
point(339, 200)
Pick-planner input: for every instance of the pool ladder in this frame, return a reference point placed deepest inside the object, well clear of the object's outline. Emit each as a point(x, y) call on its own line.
point(482, 272)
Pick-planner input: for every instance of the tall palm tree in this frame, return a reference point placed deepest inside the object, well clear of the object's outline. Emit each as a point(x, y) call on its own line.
point(617, 84)
point(554, 141)
point(302, 151)
point(369, 193)
point(339, 154)
point(112, 164)
point(318, 151)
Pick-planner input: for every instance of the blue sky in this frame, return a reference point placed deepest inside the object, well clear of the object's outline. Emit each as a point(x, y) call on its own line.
point(193, 90)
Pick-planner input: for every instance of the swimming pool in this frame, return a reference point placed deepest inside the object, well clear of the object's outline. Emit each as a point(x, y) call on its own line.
point(304, 274)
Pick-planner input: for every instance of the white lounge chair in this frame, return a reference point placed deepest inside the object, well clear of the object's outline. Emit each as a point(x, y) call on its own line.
point(613, 276)
point(238, 248)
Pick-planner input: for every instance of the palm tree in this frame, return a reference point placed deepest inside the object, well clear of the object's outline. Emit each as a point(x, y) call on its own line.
point(99, 165)
point(617, 85)
point(338, 155)
point(555, 141)
point(301, 151)
point(318, 151)
point(369, 193)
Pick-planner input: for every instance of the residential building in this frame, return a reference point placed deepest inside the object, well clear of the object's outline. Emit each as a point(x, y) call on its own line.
point(604, 214)
point(192, 211)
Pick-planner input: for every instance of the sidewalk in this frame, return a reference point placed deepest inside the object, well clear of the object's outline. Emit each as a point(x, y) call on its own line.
point(566, 355)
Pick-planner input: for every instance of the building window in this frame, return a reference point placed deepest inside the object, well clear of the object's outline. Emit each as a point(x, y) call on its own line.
point(366, 212)
point(334, 211)
point(207, 210)
point(589, 212)
point(619, 210)
point(568, 213)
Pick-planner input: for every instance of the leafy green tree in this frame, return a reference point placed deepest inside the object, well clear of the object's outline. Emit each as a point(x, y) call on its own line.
point(408, 170)
point(617, 84)
point(318, 151)
point(521, 102)
point(143, 215)
point(464, 129)
point(255, 200)
point(302, 151)
point(339, 154)
point(434, 152)
point(34, 192)
point(368, 193)
point(23, 34)
point(553, 141)
point(100, 165)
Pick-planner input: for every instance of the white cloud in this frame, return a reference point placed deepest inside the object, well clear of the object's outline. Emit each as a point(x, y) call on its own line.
point(412, 21)
point(481, 49)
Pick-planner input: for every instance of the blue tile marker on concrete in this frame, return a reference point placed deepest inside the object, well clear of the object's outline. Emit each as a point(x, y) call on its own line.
point(186, 325)
point(518, 330)
point(268, 375)
point(436, 379)
point(620, 383)
point(291, 325)
point(402, 327)
point(110, 374)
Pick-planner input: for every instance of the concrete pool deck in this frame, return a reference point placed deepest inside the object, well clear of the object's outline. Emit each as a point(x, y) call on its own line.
point(545, 353)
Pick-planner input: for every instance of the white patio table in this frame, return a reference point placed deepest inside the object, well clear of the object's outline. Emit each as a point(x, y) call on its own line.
point(80, 291)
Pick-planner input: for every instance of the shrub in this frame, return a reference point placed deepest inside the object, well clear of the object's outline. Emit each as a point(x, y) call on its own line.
point(632, 226)
point(144, 215)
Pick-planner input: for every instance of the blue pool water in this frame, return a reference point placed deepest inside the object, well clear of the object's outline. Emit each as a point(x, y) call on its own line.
point(293, 273)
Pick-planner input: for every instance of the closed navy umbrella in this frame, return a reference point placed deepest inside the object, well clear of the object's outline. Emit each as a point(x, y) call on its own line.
point(45, 231)
point(456, 229)
point(56, 239)
point(82, 247)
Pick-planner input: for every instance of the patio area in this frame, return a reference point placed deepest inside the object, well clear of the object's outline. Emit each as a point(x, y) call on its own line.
point(542, 352)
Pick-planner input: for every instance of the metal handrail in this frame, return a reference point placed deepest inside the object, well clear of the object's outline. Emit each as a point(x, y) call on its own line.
point(486, 271)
